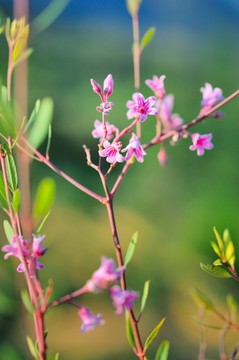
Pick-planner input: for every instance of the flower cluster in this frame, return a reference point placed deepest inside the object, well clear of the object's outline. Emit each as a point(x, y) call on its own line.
point(101, 279)
point(169, 121)
point(30, 251)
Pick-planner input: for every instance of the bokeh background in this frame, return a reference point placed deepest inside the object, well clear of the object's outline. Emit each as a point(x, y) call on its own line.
point(173, 208)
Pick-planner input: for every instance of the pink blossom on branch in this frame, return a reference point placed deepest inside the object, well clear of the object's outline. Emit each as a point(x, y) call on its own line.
point(105, 275)
point(112, 152)
point(141, 107)
point(201, 142)
point(122, 299)
point(99, 131)
point(134, 149)
point(157, 85)
point(89, 320)
point(210, 97)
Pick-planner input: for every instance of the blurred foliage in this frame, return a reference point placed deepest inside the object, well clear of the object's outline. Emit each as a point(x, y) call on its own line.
point(173, 209)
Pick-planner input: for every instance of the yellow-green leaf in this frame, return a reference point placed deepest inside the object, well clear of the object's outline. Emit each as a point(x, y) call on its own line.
point(216, 271)
point(147, 38)
point(153, 334)
point(44, 197)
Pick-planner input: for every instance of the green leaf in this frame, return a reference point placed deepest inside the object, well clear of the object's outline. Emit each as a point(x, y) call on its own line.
point(147, 37)
point(8, 231)
point(201, 299)
point(129, 331)
point(153, 334)
point(51, 12)
point(40, 127)
point(8, 118)
point(11, 172)
point(44, 197)
point(31, 347)
point(163, 350)
point(33, 115)
point(48, 141)
point(16, 200)
point(133, 6)
point(21, 43)
point(216, 249)
point(131, 248)
point(215, 271)
point(24, 55)
point(219, 240)
point(27, 301)
point(3, 198)
point(144, 295)
point(40, 226)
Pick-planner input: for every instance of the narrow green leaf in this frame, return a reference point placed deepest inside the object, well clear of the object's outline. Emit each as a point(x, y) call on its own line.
point(129, 331)
point(40, 226)
point(33, 115)
point(8, 231)
point(153, 334)
point(50, 13)
point(216, 271)
point(24, 55)
point(219, 239)
point(144, 295)
point(147, 37)
point(11, 172)
point(40, 127)
point(48, 141)
point(163, 351)
point(133, 6)
point(20, 43)
point(44, 197)
point(216, 249)
point(201, 299)
point(131, 248)
point(27, 301)
point(230, 254)
point(57, 356)
point(16, 200)
point(32, 348)
point(3, 198)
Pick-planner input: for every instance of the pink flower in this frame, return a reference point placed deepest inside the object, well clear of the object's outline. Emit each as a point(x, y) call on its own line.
point(122, 299)
point(141, 107)
point(210, 97)
point(134, 149)
point(30, 251)
point(99, 131)
point(89, 320)
point(169, 120)
point(157, 85)
point(111, 152)
point(105, 275)
point(107, 88)
point(37, 248)
point(201, 142)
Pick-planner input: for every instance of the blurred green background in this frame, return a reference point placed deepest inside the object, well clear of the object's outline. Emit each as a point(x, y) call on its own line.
point(173, 208)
